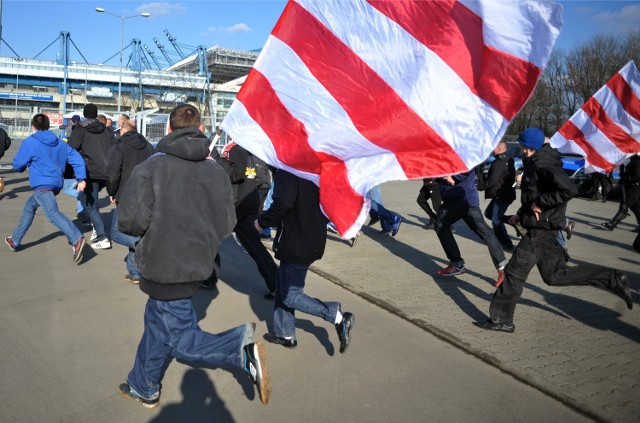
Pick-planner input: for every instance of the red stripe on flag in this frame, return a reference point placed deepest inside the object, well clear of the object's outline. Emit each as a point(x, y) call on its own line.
point(455, 34)
point(571, 132)
point(375, 109)
point(608, 127)
point(629, 100)
point(290, 141)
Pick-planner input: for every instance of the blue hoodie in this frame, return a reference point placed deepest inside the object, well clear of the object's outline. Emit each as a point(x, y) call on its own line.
point(46, 156)
point(464, 191)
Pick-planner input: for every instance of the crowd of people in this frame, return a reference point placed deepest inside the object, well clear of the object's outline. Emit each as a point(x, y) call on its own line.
point(184, 190)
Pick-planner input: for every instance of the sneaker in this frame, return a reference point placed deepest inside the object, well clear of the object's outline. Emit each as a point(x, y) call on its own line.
point(500, 278)
point(125, 390)
point(132, 279)
point(11, 244)
point(396, 225)
point(344, 330)
point(452, 270)
point(94, 236)
point(622, 288)
point(496, 326)
point(105, 244)
point(255, 364)
point(278, 340)
point(77, 249)
point(429, 225)
point(271, 295)
point(608, 225)
point(386, 231)
point(331, 227)
point(508, 248)
point(373, 221)
point(353, 240)
point(569, 229)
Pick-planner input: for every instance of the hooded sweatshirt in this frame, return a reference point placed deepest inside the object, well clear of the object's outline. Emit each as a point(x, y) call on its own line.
point(180, 202)
point(46, 156)
point(125, 154)
point(92, 140)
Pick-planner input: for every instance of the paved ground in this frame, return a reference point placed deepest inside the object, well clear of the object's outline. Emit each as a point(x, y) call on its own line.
point(69, 333)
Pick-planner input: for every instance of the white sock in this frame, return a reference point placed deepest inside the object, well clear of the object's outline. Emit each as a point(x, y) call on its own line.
point(338, 317)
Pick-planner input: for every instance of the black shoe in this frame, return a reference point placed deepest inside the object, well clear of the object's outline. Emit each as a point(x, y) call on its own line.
point(373, 221)
point(508, 248)
point(569, 229)
point(622, 289)
point(125, 390)
point(288, 343)
point(344, 330)
point(497, 326)
point(255, 364)
point(271, 295)
point(609, 226)
point(429, 225)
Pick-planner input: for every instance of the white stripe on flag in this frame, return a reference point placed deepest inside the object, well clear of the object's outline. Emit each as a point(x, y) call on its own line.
point(614, 109)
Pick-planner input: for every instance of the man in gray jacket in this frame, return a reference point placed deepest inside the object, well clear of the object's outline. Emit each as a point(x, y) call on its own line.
point(179, 201)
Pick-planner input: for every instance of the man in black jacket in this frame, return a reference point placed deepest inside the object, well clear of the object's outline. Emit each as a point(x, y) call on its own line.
point(630, 182)
point(180, 203)
point(499, 186)
point(300, 240)
point(546, 189)
point(125, 154)
point(240, 165)
point(92, 140)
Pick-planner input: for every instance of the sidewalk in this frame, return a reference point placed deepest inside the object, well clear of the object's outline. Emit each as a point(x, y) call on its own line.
point(580, 345)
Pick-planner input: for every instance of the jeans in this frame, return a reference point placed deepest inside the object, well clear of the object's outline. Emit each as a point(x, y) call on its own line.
point(448, 215)
point(46, 200)
point(69, 188)
point(540, 248)
point(171, 330)
point(90, 203)
point(127, 241)
point(290, 297)
point(495, 212)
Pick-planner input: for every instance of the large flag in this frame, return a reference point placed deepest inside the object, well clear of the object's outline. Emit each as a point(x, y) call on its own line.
point(354, 93)
point(606, 129)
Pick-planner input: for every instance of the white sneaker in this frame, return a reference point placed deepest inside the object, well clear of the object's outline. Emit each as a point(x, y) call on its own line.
point(101, 245)
point(94, 236)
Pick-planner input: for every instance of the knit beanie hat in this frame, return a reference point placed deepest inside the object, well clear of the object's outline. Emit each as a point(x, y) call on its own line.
point(532, 138)
point(90, 111)
point(75, 118)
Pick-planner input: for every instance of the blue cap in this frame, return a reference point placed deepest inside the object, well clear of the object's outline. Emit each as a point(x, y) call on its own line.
point(532, 138)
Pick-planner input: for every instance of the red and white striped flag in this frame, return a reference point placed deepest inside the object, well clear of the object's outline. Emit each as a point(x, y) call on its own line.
point(351, 94)
point(606, 129)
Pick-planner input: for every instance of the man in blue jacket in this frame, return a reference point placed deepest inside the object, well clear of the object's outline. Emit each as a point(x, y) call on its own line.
point(460, 200)
point(46, 156)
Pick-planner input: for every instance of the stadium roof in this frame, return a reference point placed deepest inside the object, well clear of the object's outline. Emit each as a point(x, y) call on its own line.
point(224, 64)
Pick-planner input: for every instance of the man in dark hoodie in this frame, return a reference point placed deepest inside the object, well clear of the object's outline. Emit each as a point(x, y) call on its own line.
point(300, 240)
point(180, 203)
point(499, 186)
point(546, 190)
point(46, 157)
point(126, 153)
point(92, 140)
point(240, 165)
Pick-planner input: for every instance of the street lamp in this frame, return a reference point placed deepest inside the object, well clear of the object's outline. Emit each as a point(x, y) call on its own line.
point(122, 18)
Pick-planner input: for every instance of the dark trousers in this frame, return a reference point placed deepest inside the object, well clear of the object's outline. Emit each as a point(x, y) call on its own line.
point(448, 215)
point(249, 237)
point(630, 201)
point(495, 212)
point(430, 191)
point(540, 248)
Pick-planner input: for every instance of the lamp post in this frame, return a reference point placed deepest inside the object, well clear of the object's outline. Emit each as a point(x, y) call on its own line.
point(15, 115)
point(122, 18)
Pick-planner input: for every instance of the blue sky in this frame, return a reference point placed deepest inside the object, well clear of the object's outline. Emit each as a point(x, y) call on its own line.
point(29, 26)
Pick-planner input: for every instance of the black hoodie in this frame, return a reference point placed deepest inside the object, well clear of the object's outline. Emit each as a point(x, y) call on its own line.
point(180, 202)
point(129, 151)
point(92, 140)
point(548, 186)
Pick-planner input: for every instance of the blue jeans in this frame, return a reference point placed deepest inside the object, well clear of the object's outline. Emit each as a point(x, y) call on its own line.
point(448, 215)
point(90, 203)
point(46, 200)
point(495, 212)
point(378, 209)
point(69, 188)
point(171, 330)
point(290, 297)
point(127, 241)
